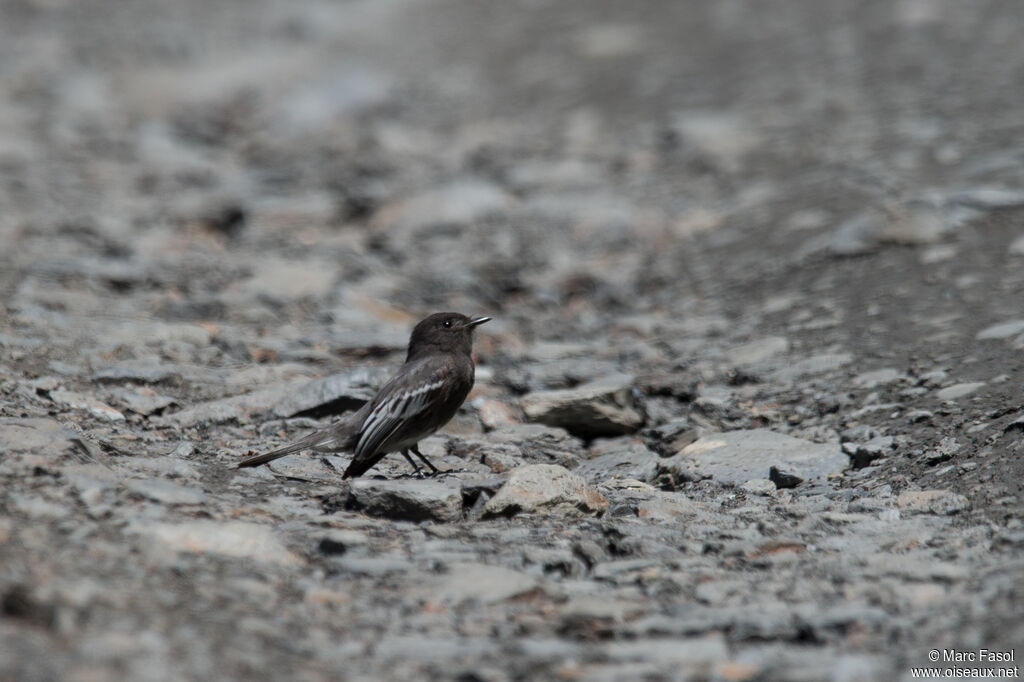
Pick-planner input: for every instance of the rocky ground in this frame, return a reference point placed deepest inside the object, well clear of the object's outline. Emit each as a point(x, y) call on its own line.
point(750, 407)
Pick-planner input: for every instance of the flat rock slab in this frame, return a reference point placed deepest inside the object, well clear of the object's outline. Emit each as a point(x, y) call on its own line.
point(545, 488)
point(239, 408)
point(632, 461)
point(80, 401)
point(603, 407)
point(167, 492)
point(941, 502)
point(812, 366)
point(406, 500)
point(282, 281)
point(876, 378)
point(1002, 330)
point(758, 351)
point(37, 435)
point(226, 538)
point(691, 654)
point(473, 582)
point(739, 456)
point(143, 400)
point(1017, 247)
point(138, 372)
point(957, 391)
point(333, 394)
point(458, 203)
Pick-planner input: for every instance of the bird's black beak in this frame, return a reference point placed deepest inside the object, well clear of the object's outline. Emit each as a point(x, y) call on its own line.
point(477, 320)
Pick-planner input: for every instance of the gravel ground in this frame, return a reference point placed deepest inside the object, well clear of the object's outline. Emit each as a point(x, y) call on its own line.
point(750, 407)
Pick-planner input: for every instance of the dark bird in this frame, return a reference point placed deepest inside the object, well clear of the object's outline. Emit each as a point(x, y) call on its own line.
point(421, 398)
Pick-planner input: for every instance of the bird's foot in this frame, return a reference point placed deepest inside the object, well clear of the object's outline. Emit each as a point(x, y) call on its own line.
point(416, 451)
point(418, 472)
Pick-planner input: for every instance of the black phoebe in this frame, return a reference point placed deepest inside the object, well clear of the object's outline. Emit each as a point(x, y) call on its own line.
point(425, 393)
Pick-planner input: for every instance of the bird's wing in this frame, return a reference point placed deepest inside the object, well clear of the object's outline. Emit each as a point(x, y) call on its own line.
point(408, 396)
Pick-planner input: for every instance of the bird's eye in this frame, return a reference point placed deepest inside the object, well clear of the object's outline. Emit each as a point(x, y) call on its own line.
point(447, 323)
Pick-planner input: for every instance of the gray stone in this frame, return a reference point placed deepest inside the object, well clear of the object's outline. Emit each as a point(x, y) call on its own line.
point(723, 138)
point(757, 351)
point(539, 444)
point(860, 668)
point(1017, 247)
point(876, 378)
point(375, 565)
point(921, 221)
point(459, 203)
point(759, 486)
point(783, 480)
point(495, 414)
point(156, 333)
point(559, 562)
point(1002, 330)
point(694, 653)
point(628, 460)
point(171, 464)
point(944, 451)
point(35, 507)
point(919, 416)
point(717, 592)
point(138, 371)
point(332, 394)
point(341, 540)
point(934, 378)
point(862, 454)
point(938, 254)
point(917, 566)
point(237, 539)
point(856, 236)
point(79, 401)
point(329, 94)
point(545, 488)
point(407, 500)
point(990, 198)
point(813, 365)
point(239, 408)
point(283, 281)
point(739, 456)
point(96, 490)
point(1016, 424)
point(603, 407)
point(942, 502)
point(594, 607)
point(167, 492)
point(40, 436)
point(482, 583)
point(143, 400)
point(440, 649)
point(957, 391)
point(359, 332)
point(624, 570)
point(592, 618)
point(631, 498)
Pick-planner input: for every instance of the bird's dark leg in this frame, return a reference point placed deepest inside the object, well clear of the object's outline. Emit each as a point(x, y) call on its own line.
point(419, 472)
point(416, 451)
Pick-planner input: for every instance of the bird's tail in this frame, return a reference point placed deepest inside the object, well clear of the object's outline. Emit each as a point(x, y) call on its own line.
point(272, 455)
point(314, 441)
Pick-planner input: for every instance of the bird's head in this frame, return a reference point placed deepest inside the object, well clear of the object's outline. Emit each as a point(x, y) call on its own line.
point(443, 332)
